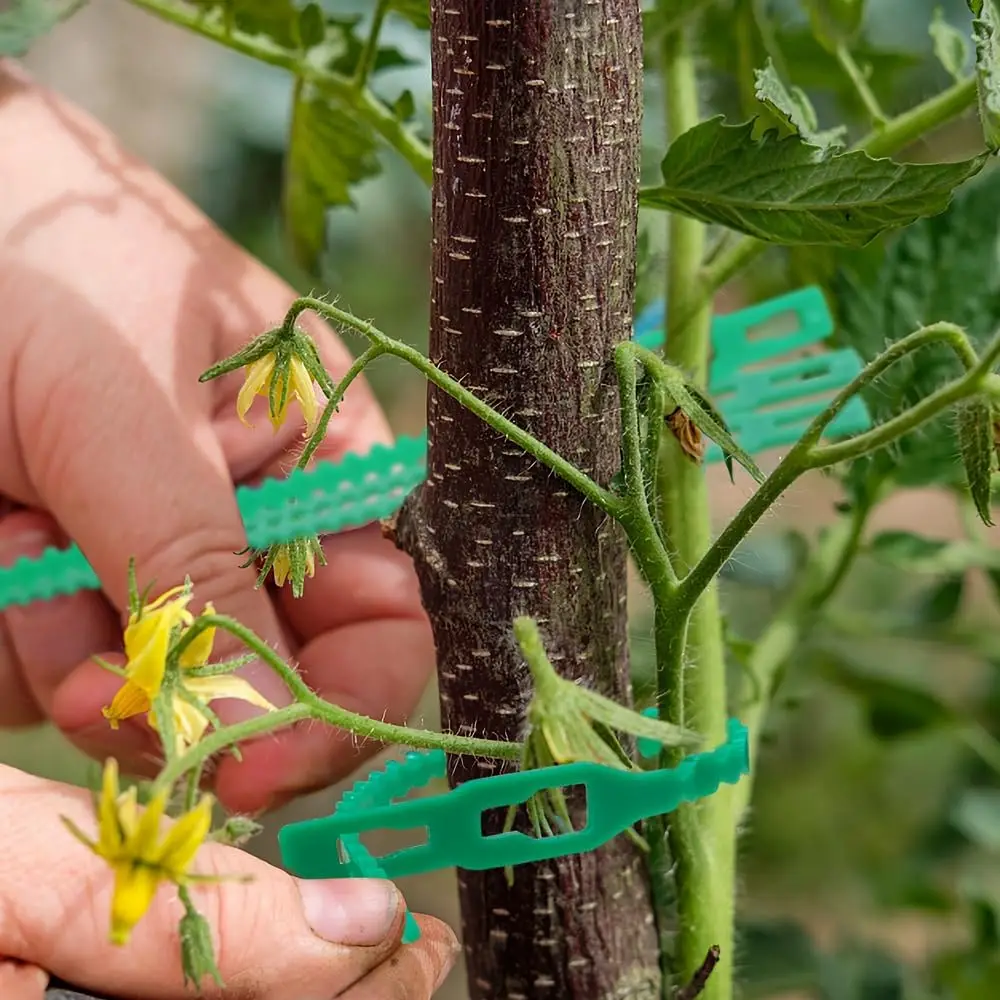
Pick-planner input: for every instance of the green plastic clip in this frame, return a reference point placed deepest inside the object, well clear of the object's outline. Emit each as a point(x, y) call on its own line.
point(766, 401)
point(616, 800)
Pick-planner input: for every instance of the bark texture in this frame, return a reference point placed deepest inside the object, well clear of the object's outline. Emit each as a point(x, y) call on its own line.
point(537, 114)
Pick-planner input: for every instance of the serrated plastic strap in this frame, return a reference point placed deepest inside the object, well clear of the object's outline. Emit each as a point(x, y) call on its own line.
point(452, 820)
point(767, 406)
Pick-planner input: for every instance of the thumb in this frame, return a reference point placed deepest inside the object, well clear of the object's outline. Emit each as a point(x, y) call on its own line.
point(275, 937)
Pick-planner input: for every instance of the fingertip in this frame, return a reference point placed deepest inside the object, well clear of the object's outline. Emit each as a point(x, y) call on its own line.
point(76, 712)
point(48, 638)
point(22, 981)
point(417, 971)
point(358, 911)
point(445, 946)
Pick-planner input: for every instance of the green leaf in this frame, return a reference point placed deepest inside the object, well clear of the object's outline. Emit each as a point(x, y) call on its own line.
point(351, 45)
point(950, 45)
point(835, 22)
point(977, 816)
point(945, 268)
point(779, 957)
point(417, 12)
point(986, 35)
point(894, 708)
point(793, 108)
point(277, 19)
point(23, 22)
point(909, 552)
point(699, 409)
point(724, 35)
point(329, 151)
point(788, 191)
point(940, 603)
point(404, 106)
point(312, 26)
point(968, 975)
point(975, 438)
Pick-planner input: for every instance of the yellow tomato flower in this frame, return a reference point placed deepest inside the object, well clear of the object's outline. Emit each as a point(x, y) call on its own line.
point(282, 565)
point(140, 857)
point(288, 382)
point(147, 641)
point(293, 561)
point(190, 722)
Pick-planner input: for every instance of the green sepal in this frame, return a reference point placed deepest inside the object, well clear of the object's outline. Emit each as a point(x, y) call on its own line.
point(266, 343)
point(975, 441)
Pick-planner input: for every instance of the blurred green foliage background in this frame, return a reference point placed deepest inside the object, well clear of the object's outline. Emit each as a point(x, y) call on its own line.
point(874, 809)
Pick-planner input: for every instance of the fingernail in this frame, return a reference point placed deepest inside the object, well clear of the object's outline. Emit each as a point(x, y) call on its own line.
point(350, 911)
point(41, 978)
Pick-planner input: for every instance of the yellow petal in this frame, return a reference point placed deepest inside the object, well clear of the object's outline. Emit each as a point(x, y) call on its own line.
point(183, 839)
point(167, 595)
point(281, 566)
point(310, 562)
point(130, 700)
point(144, 837)
point(302, 389)
point(257, 378)
point(109, 831)
point(128, 811)
point(200, 649)
point(210, 689)
point(147, 642)
point(189, 724)
point(135, 887)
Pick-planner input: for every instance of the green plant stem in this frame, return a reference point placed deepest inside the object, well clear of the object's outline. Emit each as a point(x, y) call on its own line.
point(701, 835)
point(366, 60)
point(580, 481)
point(650, 553)
point(806, 454)
point(860, 84)
point(823, 575)
point(921, 120)
point(896, 134)
point(193, 785)
point(336, 397)
point(309, 705)
point(341, 88)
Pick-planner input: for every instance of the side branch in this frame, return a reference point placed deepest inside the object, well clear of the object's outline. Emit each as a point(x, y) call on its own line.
point(601, 497)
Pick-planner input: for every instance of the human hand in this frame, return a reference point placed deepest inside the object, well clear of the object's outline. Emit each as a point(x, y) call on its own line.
point(117, 294)
point(276, 938)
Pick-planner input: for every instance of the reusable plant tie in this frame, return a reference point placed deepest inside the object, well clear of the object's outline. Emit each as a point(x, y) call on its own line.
point(767, 402)
point(766, 397)
point(616, 800)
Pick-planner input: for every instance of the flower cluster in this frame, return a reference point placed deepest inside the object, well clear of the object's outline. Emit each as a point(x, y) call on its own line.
point(140, 854)
point(283, 365)
point(166, 671)
point(168, 678)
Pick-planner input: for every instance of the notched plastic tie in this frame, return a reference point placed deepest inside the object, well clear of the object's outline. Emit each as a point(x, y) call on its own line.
point(616, 800)
point(767, 402)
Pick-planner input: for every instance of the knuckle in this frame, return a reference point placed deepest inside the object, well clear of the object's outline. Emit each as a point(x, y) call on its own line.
point(208, 555)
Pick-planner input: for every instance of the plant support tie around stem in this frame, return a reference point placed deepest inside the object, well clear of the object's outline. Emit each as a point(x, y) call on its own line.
point(766, 397)
point(615, 801)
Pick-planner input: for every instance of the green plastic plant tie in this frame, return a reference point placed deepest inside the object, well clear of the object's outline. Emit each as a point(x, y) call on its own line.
point(615, 801)
point(767, 399)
